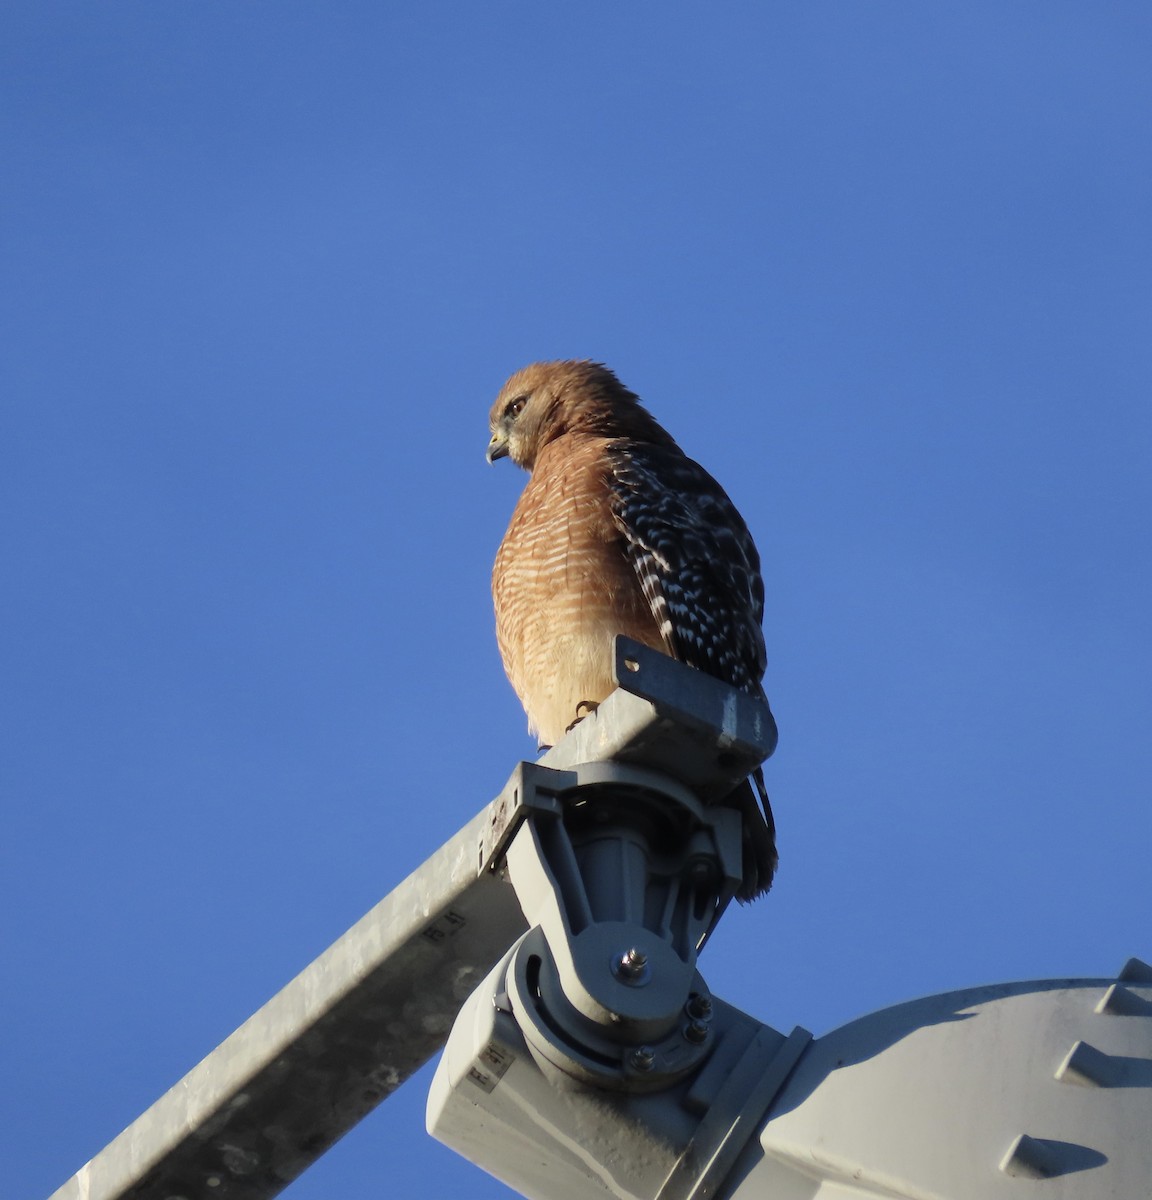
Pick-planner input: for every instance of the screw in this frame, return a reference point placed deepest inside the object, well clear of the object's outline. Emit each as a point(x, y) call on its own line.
point(643, 1058)
point(632, 967)
point(699, 1007)
point(634, 959)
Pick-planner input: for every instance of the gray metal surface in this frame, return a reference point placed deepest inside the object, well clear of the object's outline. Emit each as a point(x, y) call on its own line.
point(733, 1116)
point(323, 1052)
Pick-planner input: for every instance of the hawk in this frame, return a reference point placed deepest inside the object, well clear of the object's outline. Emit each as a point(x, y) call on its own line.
point(618, 531)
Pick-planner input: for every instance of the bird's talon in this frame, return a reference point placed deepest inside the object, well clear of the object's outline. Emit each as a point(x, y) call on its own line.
point(589, 707)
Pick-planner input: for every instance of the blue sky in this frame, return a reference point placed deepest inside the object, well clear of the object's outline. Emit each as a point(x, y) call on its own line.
point(883, 269)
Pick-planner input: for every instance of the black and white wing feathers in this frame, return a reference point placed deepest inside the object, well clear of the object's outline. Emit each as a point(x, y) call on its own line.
point(700, 573)
point(695, 559)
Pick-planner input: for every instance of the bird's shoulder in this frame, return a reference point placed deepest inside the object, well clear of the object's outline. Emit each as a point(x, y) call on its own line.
point(660, 492)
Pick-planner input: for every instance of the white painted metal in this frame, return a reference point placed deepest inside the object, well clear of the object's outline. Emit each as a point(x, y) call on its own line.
point(1027, 1091)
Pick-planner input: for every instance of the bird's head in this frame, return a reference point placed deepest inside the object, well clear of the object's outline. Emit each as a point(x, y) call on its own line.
point(549, 399)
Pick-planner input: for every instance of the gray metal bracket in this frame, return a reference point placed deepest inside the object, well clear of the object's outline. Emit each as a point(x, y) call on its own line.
point(701, 732)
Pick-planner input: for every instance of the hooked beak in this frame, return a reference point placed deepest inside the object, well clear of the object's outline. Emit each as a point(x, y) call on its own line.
point(497, 448)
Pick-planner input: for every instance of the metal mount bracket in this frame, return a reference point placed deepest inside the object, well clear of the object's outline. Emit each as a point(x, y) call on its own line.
point(701, 732)
point(622, 872)
point(623, 867)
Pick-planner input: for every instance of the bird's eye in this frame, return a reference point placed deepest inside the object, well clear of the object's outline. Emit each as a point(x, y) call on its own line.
point(514, 408)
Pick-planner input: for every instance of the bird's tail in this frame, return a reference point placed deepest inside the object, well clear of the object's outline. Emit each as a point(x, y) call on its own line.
point(760, 857)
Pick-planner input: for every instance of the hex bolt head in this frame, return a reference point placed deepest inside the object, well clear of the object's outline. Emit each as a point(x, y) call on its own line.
point(699, 1007)
point(643, 1058)
point(696, 1032)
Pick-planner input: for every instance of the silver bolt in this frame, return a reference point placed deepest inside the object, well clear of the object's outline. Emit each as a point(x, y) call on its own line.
point(632, 967)
point(643, 1058)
